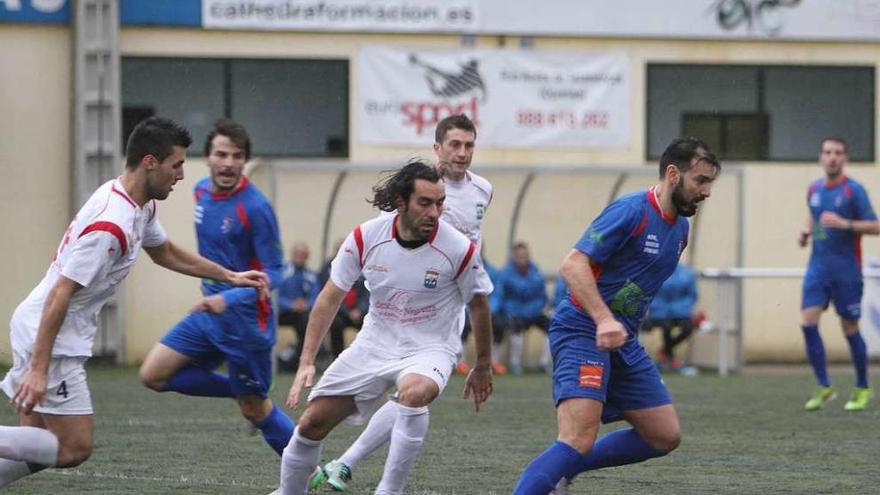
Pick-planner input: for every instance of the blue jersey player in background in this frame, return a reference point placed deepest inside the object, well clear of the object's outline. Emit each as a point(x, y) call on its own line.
point(600, 370)
point(840, 213)
point(236, 228)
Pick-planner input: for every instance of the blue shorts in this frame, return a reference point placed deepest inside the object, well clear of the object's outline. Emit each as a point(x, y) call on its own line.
point(624, 380)
point(202, 337)
point(845, 291)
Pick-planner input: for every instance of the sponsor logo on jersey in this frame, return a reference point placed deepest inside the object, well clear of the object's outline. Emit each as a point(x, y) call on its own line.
point(630, 300)
point(431, 277)
point(376, 268)
point(652, 244)
point(481, 210)
point(591, 374)
point(814, 199)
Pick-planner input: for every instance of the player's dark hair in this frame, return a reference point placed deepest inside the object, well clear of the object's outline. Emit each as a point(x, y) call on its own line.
point(460, 121)
point(519, 245)
point(234, 131)
point(835, 139)
point(154, 136)
point(400, 184)
point(686, 152)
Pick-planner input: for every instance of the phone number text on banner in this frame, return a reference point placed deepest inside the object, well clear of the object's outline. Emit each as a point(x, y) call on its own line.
point(517, 99)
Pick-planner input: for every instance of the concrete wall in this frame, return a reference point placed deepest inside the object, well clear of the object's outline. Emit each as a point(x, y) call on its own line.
point(36, 92)
point(35, 157)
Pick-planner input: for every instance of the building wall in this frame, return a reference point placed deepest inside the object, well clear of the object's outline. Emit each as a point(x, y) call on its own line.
point(35, 157)
point(557, 207)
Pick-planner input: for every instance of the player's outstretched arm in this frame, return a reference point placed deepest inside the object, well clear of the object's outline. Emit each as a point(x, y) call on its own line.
point(174, 258)
point(325, 309)
point(578, 275)
point(33, 385)
point(479, 380)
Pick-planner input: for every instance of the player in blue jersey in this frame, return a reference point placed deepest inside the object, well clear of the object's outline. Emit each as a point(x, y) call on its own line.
point(600, 371)
point(840, 213)
point(236, 227)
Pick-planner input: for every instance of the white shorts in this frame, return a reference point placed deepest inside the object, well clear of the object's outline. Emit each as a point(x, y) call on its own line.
point(67, 393)
point(368, 375)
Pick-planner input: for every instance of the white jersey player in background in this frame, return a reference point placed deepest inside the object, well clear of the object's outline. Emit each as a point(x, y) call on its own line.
point(467, 198)
point(421, 272)
point(53, 329)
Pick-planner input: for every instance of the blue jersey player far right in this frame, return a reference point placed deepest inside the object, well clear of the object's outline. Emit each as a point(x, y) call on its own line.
point(601, 372)
point(840, 213)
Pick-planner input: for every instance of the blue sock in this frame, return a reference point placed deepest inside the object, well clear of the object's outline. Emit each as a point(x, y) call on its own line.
point(542, 474)
point(816, 353)
point(618, 448)
point(201, 382)
point(277, 429)
point(860, 358)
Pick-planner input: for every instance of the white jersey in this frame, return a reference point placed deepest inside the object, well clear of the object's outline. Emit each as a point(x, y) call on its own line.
point(97, 252)
point(466, 203)
point(416, 295)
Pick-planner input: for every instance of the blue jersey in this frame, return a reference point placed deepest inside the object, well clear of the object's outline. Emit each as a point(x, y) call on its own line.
point(837, 251)
point(522, 295)
point(677, 296)
point(238, 230)
point(633, 247)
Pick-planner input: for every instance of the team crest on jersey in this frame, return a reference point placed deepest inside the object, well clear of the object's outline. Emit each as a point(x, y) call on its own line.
point(226, 226)
point(481, 210)
point(431, 277)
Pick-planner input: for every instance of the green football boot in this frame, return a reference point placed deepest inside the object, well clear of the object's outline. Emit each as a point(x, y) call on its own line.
point(820, 397)
point(859, 399)
point(317, 478)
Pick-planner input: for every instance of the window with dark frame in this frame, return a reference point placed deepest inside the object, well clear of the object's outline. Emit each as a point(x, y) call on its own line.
point(291, 108)
point(761, 113)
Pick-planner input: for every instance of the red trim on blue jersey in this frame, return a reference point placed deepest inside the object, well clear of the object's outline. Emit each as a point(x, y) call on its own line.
point(123, 194)
point(643, 224)
point(263, 308)
point(652, 198)
point(359, 240)
point(197, 195)
point(242, 215)
point(110, 228)
point(242, 184)
point(857, 241)
point(597, 272)
point(836, 182)
point(466, 260)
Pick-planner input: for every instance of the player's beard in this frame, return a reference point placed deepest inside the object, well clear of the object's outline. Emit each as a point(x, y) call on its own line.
point(414, 227)
point(683, 206)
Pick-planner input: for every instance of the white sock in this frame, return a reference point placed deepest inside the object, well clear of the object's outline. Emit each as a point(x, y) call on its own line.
point(406, 443)
point(28, 444)
point(297, 463)
point(377, 432)
point(12, 470)
point(516, 348)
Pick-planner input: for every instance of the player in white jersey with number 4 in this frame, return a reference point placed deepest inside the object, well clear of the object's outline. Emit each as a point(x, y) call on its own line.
point(53, 329)
point(467, 197)
point(421, 273)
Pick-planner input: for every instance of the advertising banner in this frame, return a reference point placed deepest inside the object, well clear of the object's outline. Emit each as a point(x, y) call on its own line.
point(517, 98)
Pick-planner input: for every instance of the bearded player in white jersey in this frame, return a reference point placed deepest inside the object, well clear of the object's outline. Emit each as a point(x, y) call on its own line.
point(467, 198)
point(421, 273)
point(53, 329)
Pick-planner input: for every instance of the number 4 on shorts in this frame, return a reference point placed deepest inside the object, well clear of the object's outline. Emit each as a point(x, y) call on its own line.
point(62, 389)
